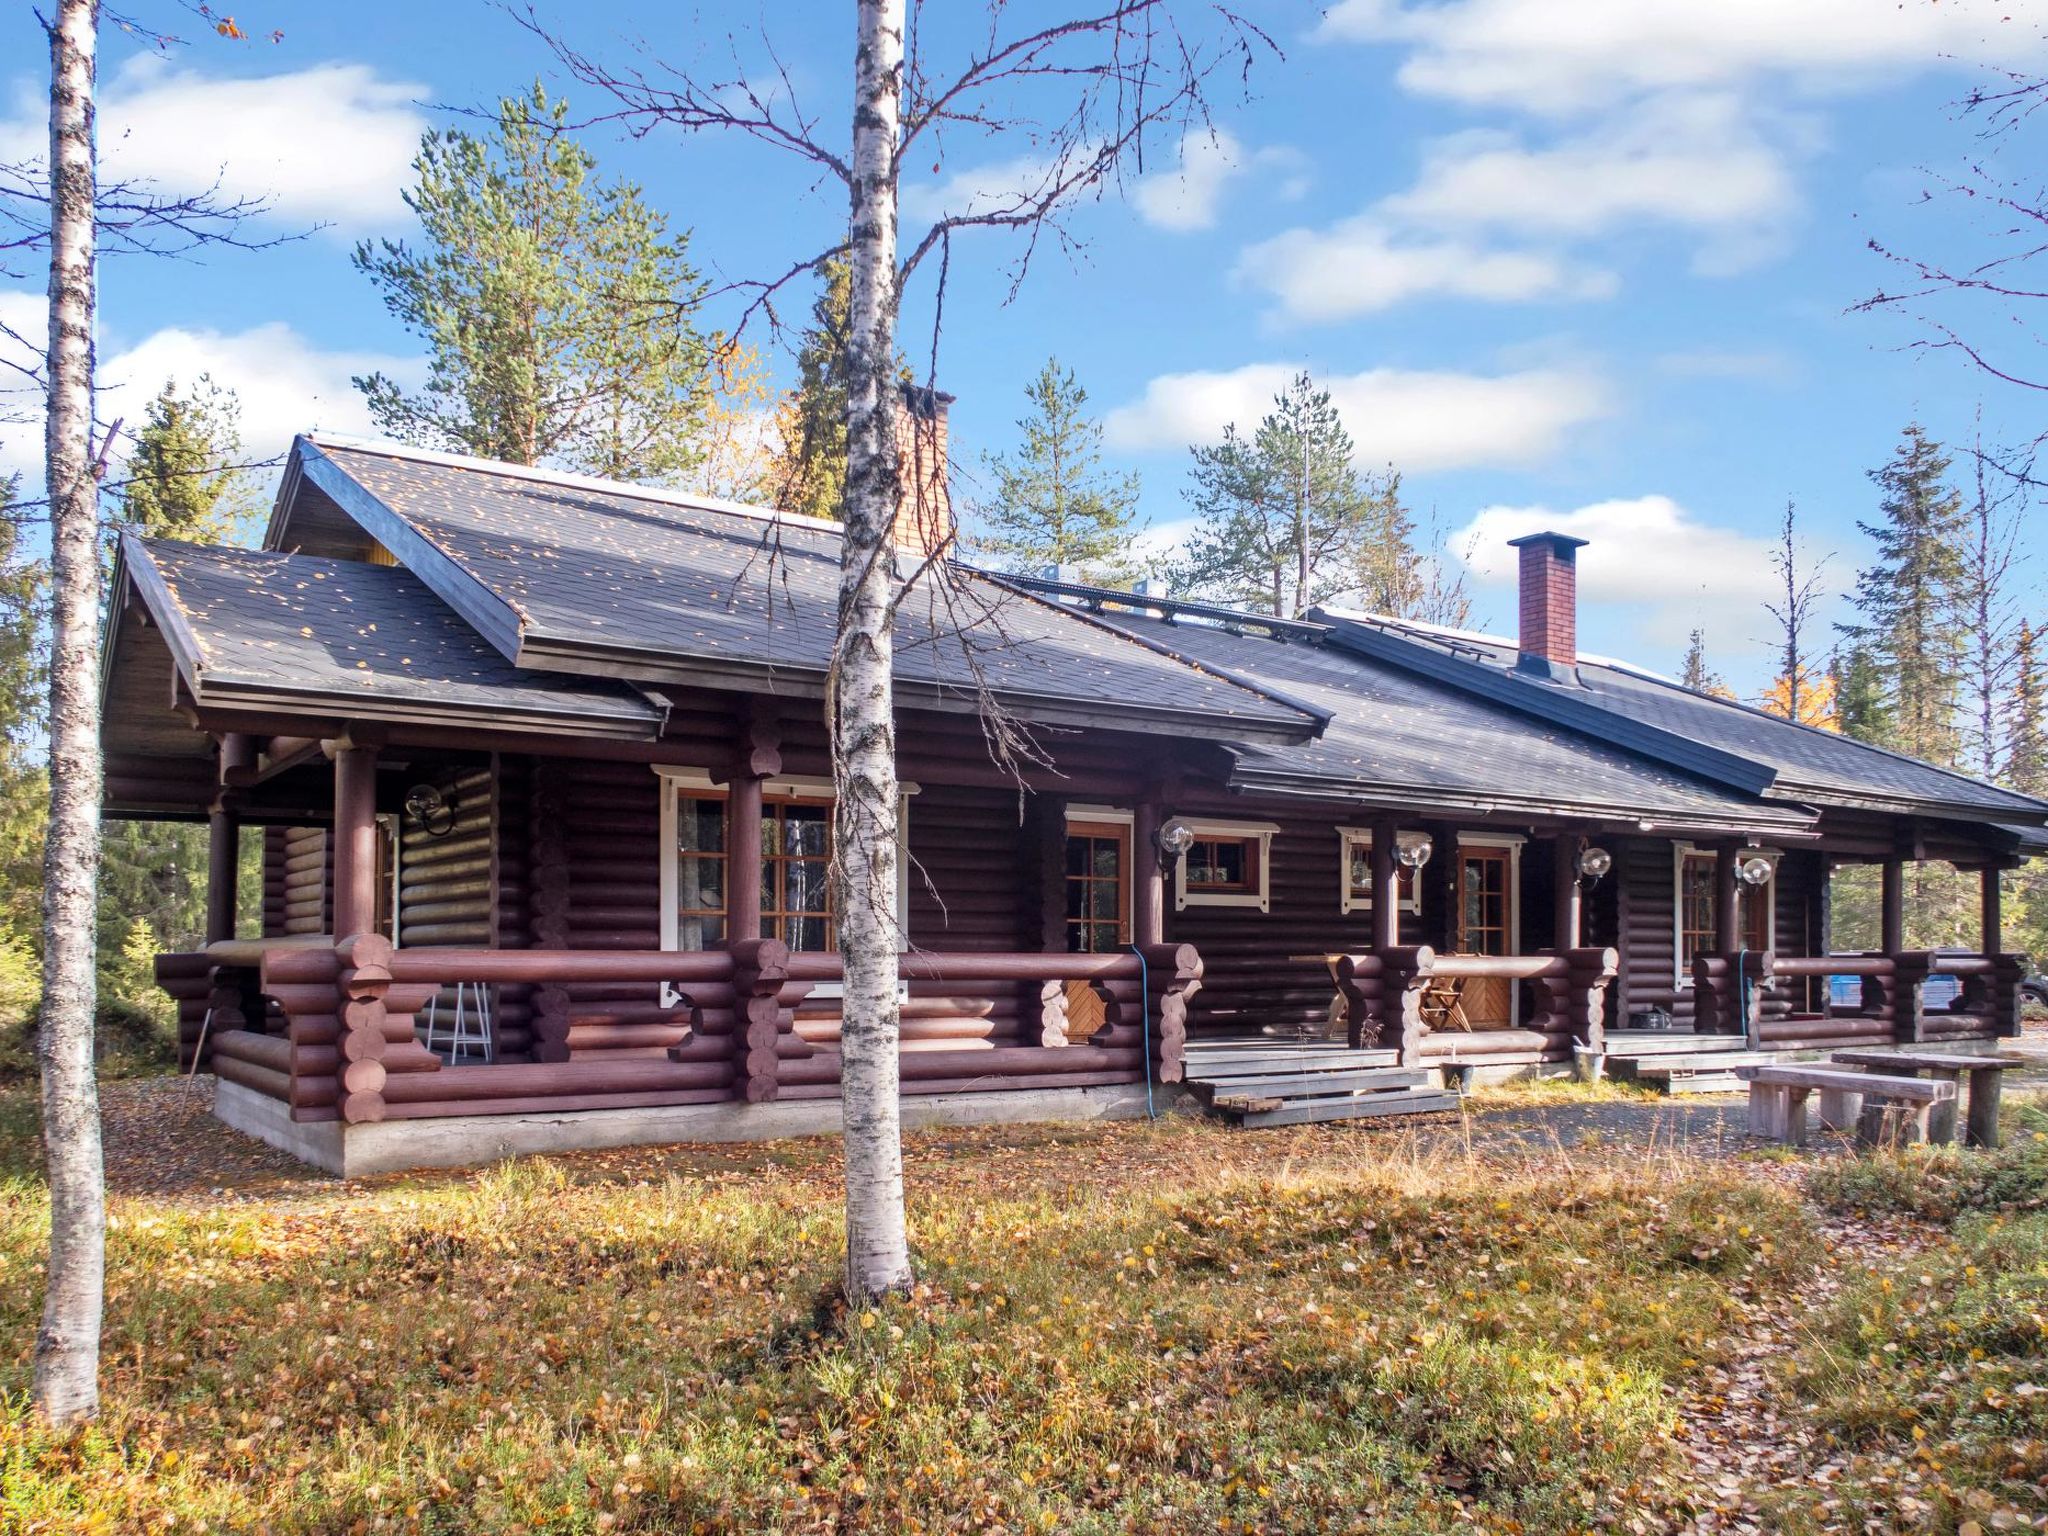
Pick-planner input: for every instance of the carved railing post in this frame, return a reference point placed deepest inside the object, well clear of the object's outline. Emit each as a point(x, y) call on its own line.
point(1383, 999)
point(365, 978)
point(1591, 976)
point(760, 970)
point(2007, 972)
point(1175, 973)
point(1052, 1013)
point(1909, 996)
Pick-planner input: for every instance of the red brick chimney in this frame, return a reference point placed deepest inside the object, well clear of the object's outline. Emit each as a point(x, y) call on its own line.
point(924, 517)
point(1550, 604)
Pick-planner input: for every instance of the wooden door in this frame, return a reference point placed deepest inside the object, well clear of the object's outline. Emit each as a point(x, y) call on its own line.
point(1485, 910)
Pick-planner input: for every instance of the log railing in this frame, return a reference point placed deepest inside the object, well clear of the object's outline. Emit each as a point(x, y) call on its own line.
point(1383, 995)
point(1891, 1007)
point(348, 1049)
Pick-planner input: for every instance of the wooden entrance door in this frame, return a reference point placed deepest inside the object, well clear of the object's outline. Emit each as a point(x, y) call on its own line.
point(1486, 927)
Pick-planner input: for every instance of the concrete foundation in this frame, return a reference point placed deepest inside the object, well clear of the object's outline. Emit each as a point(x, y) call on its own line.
point(392, 1146)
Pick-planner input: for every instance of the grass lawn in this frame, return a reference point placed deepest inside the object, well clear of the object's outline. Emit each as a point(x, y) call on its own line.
point(1131, 1328)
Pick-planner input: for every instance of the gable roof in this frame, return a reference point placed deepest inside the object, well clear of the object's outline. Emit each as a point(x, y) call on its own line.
point(1719, 739)
point(1392, 735)
point(573, 575)
point(256, 629)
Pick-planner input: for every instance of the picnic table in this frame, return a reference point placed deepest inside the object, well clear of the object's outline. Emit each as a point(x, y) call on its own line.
point(1984, 1074)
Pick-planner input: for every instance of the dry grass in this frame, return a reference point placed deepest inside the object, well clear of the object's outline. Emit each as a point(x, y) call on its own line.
point(1132, 1328)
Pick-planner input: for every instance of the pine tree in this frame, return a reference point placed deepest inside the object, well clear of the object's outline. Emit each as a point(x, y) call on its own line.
point(555, 308)
point(1284, 518)
point(1052, 504)
point(183, 478)
point(1909, 603)
point(1799, 592)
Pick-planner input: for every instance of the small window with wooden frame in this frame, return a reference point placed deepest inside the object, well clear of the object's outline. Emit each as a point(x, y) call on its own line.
point(1354, 871)
point(1693, 882)
point(1228, 865)
point(1097, 884)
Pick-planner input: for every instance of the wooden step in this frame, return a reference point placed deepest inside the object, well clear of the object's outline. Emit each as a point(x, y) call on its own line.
point(1309, 1111)
point(1290, 1061)
point(1669, 1042)
point(1280, 1085)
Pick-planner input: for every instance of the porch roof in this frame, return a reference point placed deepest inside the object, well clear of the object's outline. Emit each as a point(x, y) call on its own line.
point(260, 630)
point(596, 578)
point(1393, 735)
point(1719, 739)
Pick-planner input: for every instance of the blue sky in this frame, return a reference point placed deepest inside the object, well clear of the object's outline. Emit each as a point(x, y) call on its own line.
point(1584, 266)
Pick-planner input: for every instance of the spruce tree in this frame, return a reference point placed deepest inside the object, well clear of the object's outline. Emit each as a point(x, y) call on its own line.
point(554, 307)
point(1909, 603)
point(1051, 502)
point(183, 479)
point(1698, 676)
point(810, 474)
point(1285, 520)
point(1863, 706)
point(2026, 742)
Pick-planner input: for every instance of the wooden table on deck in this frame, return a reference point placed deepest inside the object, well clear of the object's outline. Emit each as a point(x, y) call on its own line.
point(1985, 1074)
point(249, 952)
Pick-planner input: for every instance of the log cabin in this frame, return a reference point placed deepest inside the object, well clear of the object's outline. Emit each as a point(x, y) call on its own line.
point(541, 780)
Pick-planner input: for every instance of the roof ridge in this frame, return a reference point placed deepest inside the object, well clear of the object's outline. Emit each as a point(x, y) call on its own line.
point(385, 448)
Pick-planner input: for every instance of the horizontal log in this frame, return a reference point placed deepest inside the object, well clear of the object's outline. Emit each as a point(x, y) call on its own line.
point(553, 1079)
point(542, 965)
point(270, 1051)
point(269, 1082)
point(558, 1104)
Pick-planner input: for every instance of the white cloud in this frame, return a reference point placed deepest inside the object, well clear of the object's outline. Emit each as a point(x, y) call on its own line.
point(1415, 420)
point(1643, 549)
point(332, 143)
point(993, 187)
point(1766, 364)
point(1190, 196)
point(1363, 264)
point(1551, 57)
point(285, 384)
point(1696, 162)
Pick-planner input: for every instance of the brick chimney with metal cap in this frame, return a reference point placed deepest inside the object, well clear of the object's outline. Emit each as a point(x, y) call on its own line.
point(924, 516)
point(1550, 605)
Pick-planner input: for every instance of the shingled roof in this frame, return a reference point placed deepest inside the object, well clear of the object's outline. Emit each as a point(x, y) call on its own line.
point(573, 575)
point(1393, 735)
point(258, 629)
point(1728, 742)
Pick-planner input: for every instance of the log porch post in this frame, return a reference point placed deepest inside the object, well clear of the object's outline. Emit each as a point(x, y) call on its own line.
point(355, 839)
point(1892, 911)
point(759, 759)
point(223, 839)
point(1386, 890)
point(1727, 899)
point(1992, 899)
point(1148, 880)
point(1567, 899)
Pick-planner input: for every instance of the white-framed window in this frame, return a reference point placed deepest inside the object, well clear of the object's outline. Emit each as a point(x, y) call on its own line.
point(793, 864)
point(1229, 864)
point(1693, 926)
point(1354, 871)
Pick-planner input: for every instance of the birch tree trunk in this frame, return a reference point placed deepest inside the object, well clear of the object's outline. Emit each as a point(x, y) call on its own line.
point(68, 1344)
point(863, 688)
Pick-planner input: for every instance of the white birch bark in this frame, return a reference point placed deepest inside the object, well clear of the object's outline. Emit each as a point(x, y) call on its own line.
point(68, 1344)
point(863, 691)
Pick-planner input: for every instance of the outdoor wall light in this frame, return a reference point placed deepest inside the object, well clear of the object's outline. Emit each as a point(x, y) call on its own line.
point(1414, 852)
point(1753, 871)
point(1174, 839)
point(431, 809)
point(1593, 863)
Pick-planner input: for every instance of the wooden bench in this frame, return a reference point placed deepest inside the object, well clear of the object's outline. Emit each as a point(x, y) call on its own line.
point(1984, 1073)
point(1895, 1109)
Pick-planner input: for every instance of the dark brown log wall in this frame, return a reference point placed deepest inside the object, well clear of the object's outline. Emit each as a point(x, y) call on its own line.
point(1248, 981)
point(273, 882)
point(308, 890)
